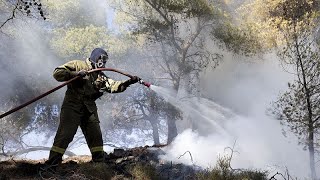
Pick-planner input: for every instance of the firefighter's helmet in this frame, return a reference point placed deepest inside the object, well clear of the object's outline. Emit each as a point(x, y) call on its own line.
point(99, 57)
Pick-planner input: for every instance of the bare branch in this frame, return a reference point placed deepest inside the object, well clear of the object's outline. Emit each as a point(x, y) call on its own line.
point(32, 149)
point(189, 154)
point(11, 17)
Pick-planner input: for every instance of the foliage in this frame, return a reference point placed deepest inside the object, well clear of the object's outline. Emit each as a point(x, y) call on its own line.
point(76, 13)
point(223, 171)
point(294, 106)
point(178, 29)
point(266, 16)
point(79, 42)
point(294, 10)
point(79, 27)
point(241, 40)
point(162, 19)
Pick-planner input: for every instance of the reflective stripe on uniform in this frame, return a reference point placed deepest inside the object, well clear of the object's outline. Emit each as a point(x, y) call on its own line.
point(96, 149)
point(58, 149)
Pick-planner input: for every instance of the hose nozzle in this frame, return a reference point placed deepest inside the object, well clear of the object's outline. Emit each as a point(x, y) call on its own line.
point(145, 83)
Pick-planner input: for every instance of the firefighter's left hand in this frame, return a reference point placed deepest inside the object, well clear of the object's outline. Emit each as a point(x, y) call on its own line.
point(82, 73)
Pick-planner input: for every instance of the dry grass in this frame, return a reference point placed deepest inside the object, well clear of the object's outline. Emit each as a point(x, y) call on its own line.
point(144, 172)
point(81, 169)
point(223, 171)
point(95, 171)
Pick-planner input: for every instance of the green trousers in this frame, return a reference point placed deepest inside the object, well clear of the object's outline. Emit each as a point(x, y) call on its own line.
point(70, 120)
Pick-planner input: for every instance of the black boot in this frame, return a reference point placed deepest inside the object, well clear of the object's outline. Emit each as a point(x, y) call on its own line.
point(52, 163)
point(98, 156)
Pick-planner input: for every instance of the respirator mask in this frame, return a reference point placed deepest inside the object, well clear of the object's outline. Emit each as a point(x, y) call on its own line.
point(101, 61)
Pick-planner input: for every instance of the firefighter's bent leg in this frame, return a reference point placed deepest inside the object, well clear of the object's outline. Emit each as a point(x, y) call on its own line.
point(69, 122)
point(92, 132)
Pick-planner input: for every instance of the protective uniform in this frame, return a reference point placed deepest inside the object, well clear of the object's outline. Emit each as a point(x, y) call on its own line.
point(79, 108)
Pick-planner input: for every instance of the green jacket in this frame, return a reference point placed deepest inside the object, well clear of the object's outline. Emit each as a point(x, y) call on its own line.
point(86, 90)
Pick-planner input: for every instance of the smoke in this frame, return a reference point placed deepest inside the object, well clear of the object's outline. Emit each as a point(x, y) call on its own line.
point(26, 61)
point(245, 88)
point(241, 91)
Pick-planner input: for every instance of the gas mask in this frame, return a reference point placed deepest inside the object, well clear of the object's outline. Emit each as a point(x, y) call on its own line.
point(101, 62)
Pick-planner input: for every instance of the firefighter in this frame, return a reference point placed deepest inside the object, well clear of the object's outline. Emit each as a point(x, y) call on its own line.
point(79, 108)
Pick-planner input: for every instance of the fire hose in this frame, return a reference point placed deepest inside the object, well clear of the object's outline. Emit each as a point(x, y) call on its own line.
point(65, 83)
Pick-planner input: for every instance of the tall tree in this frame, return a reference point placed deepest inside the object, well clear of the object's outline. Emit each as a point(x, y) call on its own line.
point(180, 29)
point(298, 108)
point(177, 34)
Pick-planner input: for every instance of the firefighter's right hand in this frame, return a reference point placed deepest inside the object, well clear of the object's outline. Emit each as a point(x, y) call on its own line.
point(134, 79)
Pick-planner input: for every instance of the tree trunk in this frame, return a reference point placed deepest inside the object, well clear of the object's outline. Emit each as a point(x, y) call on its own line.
point(172, 130)
point(311, 154)
point(189, 85)
point(155, 132)
point(183, 90)
point(195, 84)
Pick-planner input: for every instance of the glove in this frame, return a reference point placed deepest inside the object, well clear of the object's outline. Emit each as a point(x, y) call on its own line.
point(134, 79)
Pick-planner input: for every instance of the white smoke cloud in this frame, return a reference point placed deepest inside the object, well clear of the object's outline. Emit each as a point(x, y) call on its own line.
point(247, 88)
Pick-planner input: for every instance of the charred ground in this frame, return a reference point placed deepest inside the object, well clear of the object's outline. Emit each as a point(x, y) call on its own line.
point(136, 163)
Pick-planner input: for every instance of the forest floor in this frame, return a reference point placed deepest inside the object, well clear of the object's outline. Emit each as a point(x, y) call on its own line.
point(136, 163)
point(140, 163)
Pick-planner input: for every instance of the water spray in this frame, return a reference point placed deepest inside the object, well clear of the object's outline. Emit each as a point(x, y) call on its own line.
point(67, 82)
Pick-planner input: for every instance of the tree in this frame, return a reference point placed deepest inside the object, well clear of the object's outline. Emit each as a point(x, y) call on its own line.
point(176, 32)
point(298, 108)
point(179, 29)
point(182, 36)
point(145, 110)
point(78, 28)
point(79, 42)
point(76, 14)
